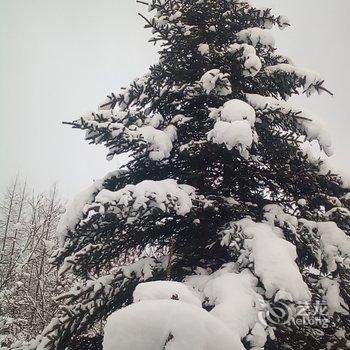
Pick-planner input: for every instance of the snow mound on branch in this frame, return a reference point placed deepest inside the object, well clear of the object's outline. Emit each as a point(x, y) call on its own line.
point(274, 214)
point(255, 36)
point(203, 49)
point(169, 325)
point(311, 80)
point(160, 141)
point(316, 130)
point(234, 110)
point(274, 262)
point(332, 296)
point(317, 156)
point(251, 62)
point(180, 119)
point(75, 210)
point(148, 194)
point(175, 16)
point(233, 127)
point(332, 213)
point(313, 127)
point(335, 244)
point(215, 81)
point(154, 120)
point(142, 269)
point(235, 298)
point(237, 133)
point(159, 290)
point(273, 258)
point(313, 152)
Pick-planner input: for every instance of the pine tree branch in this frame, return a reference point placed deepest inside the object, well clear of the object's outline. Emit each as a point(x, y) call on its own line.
point(326, 90)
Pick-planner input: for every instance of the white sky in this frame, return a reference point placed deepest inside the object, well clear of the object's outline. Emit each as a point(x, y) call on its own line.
point(59, 59)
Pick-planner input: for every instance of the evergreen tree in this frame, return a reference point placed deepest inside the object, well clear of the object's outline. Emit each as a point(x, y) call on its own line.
point(225, 181)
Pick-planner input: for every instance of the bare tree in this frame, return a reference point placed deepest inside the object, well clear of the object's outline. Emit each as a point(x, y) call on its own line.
point(27, 281)
point(7, 208)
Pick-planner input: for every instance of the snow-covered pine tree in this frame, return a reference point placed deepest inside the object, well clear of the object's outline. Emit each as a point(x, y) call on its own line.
point(228, 191)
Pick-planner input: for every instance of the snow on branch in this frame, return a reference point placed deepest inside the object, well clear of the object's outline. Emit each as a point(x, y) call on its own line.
point(248, 57)
point(236, 134)
point(234, 110)
point(217, 82)
point(309, 80)
point(166, 290)
point(255, 36)
point(332, 296)
point(234, 298)
point(115, 129)
point(311, 126)
point(335, 245)
point(165, 195)
point(127, 205)
point(233, 127)
point(273, 258)
point(75, 210)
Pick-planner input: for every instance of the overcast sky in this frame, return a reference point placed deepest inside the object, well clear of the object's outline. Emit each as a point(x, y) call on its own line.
point(60, 58)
